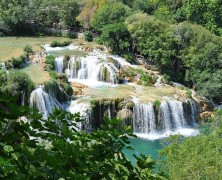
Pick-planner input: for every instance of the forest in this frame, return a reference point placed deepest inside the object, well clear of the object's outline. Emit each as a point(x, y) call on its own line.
point(182, 39)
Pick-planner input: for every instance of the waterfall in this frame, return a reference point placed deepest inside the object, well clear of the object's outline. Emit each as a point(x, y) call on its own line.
point(164, 116)
point(169, 119)
point(144, 118)
point(193, 111)
point(85, 111)
point(2, 65)
point(23, 98)
point(43, 101)
point(159, 82)
point(177, 114)
point(93, 68)
point(59, 64)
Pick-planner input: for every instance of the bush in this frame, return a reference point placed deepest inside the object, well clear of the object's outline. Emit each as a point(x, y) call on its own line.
point(17, 62)
point(189, 94)
point(69, 35)
point(88, 36)
point(60, 44)
point(2, 34)
point(50, 60)
point(62, 77)
point(28, 49)
point(156, 105)
point(166, 79)
point(68, 89)
point(15, 83)
point(129, 57)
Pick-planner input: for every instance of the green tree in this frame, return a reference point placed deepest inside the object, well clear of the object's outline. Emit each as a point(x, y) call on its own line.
point(57, 149)
point(115, 36)
point(109, 14)
point(195, 157)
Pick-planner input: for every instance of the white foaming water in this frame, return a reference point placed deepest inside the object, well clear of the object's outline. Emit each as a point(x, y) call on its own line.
point(59, 64)
point(187, 132)
point(120, 60)
point(2, 65)
point(144, 118)
point(159, 82)
point(170, 120)
point(85, 111)
point(43, 102)
point(92, 70)
point(50, 49)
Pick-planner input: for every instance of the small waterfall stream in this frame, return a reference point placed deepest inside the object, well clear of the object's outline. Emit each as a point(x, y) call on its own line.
point(144, 120)
point(85, 111)
point(2, 66)
point(59, 64)
point(43, 101)
point(170, 119)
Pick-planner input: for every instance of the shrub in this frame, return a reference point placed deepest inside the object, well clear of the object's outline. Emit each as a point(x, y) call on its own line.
point(129, 57)
point(2, 34)
point(94, 103)
point(146, 79)
point(68, 89)
point(52, 74)
point(69, 35)
point(156, 105)
point(17, 62)
point(189, 94)
point(166, 79)
point(62, 77)
point(28, 49)
point(60, 44)
point(88, 36)
point(51, 61)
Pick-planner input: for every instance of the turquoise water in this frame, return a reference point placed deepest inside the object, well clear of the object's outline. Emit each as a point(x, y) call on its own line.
point(143, 146)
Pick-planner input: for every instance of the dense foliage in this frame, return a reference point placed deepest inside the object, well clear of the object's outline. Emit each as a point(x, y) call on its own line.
point(53, 149)
point(15, 83)
point(195, 157)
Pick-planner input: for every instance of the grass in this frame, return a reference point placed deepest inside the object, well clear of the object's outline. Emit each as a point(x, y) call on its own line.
point(13, 46)
point(144, 93)
point(69, 53)
point(36, 73)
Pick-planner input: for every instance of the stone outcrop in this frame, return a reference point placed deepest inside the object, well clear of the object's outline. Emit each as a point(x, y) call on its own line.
point(78, 88)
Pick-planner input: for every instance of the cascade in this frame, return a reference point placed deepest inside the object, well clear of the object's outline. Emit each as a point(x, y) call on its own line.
point(164, 116)
point(92, 68)
point(169, 119)
point(59, 64)
point(43, 101)
point(193, 110)
point(144, 118)
point(2, 65)
point(159, 82)
point(85, 111)
point(177, 114)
